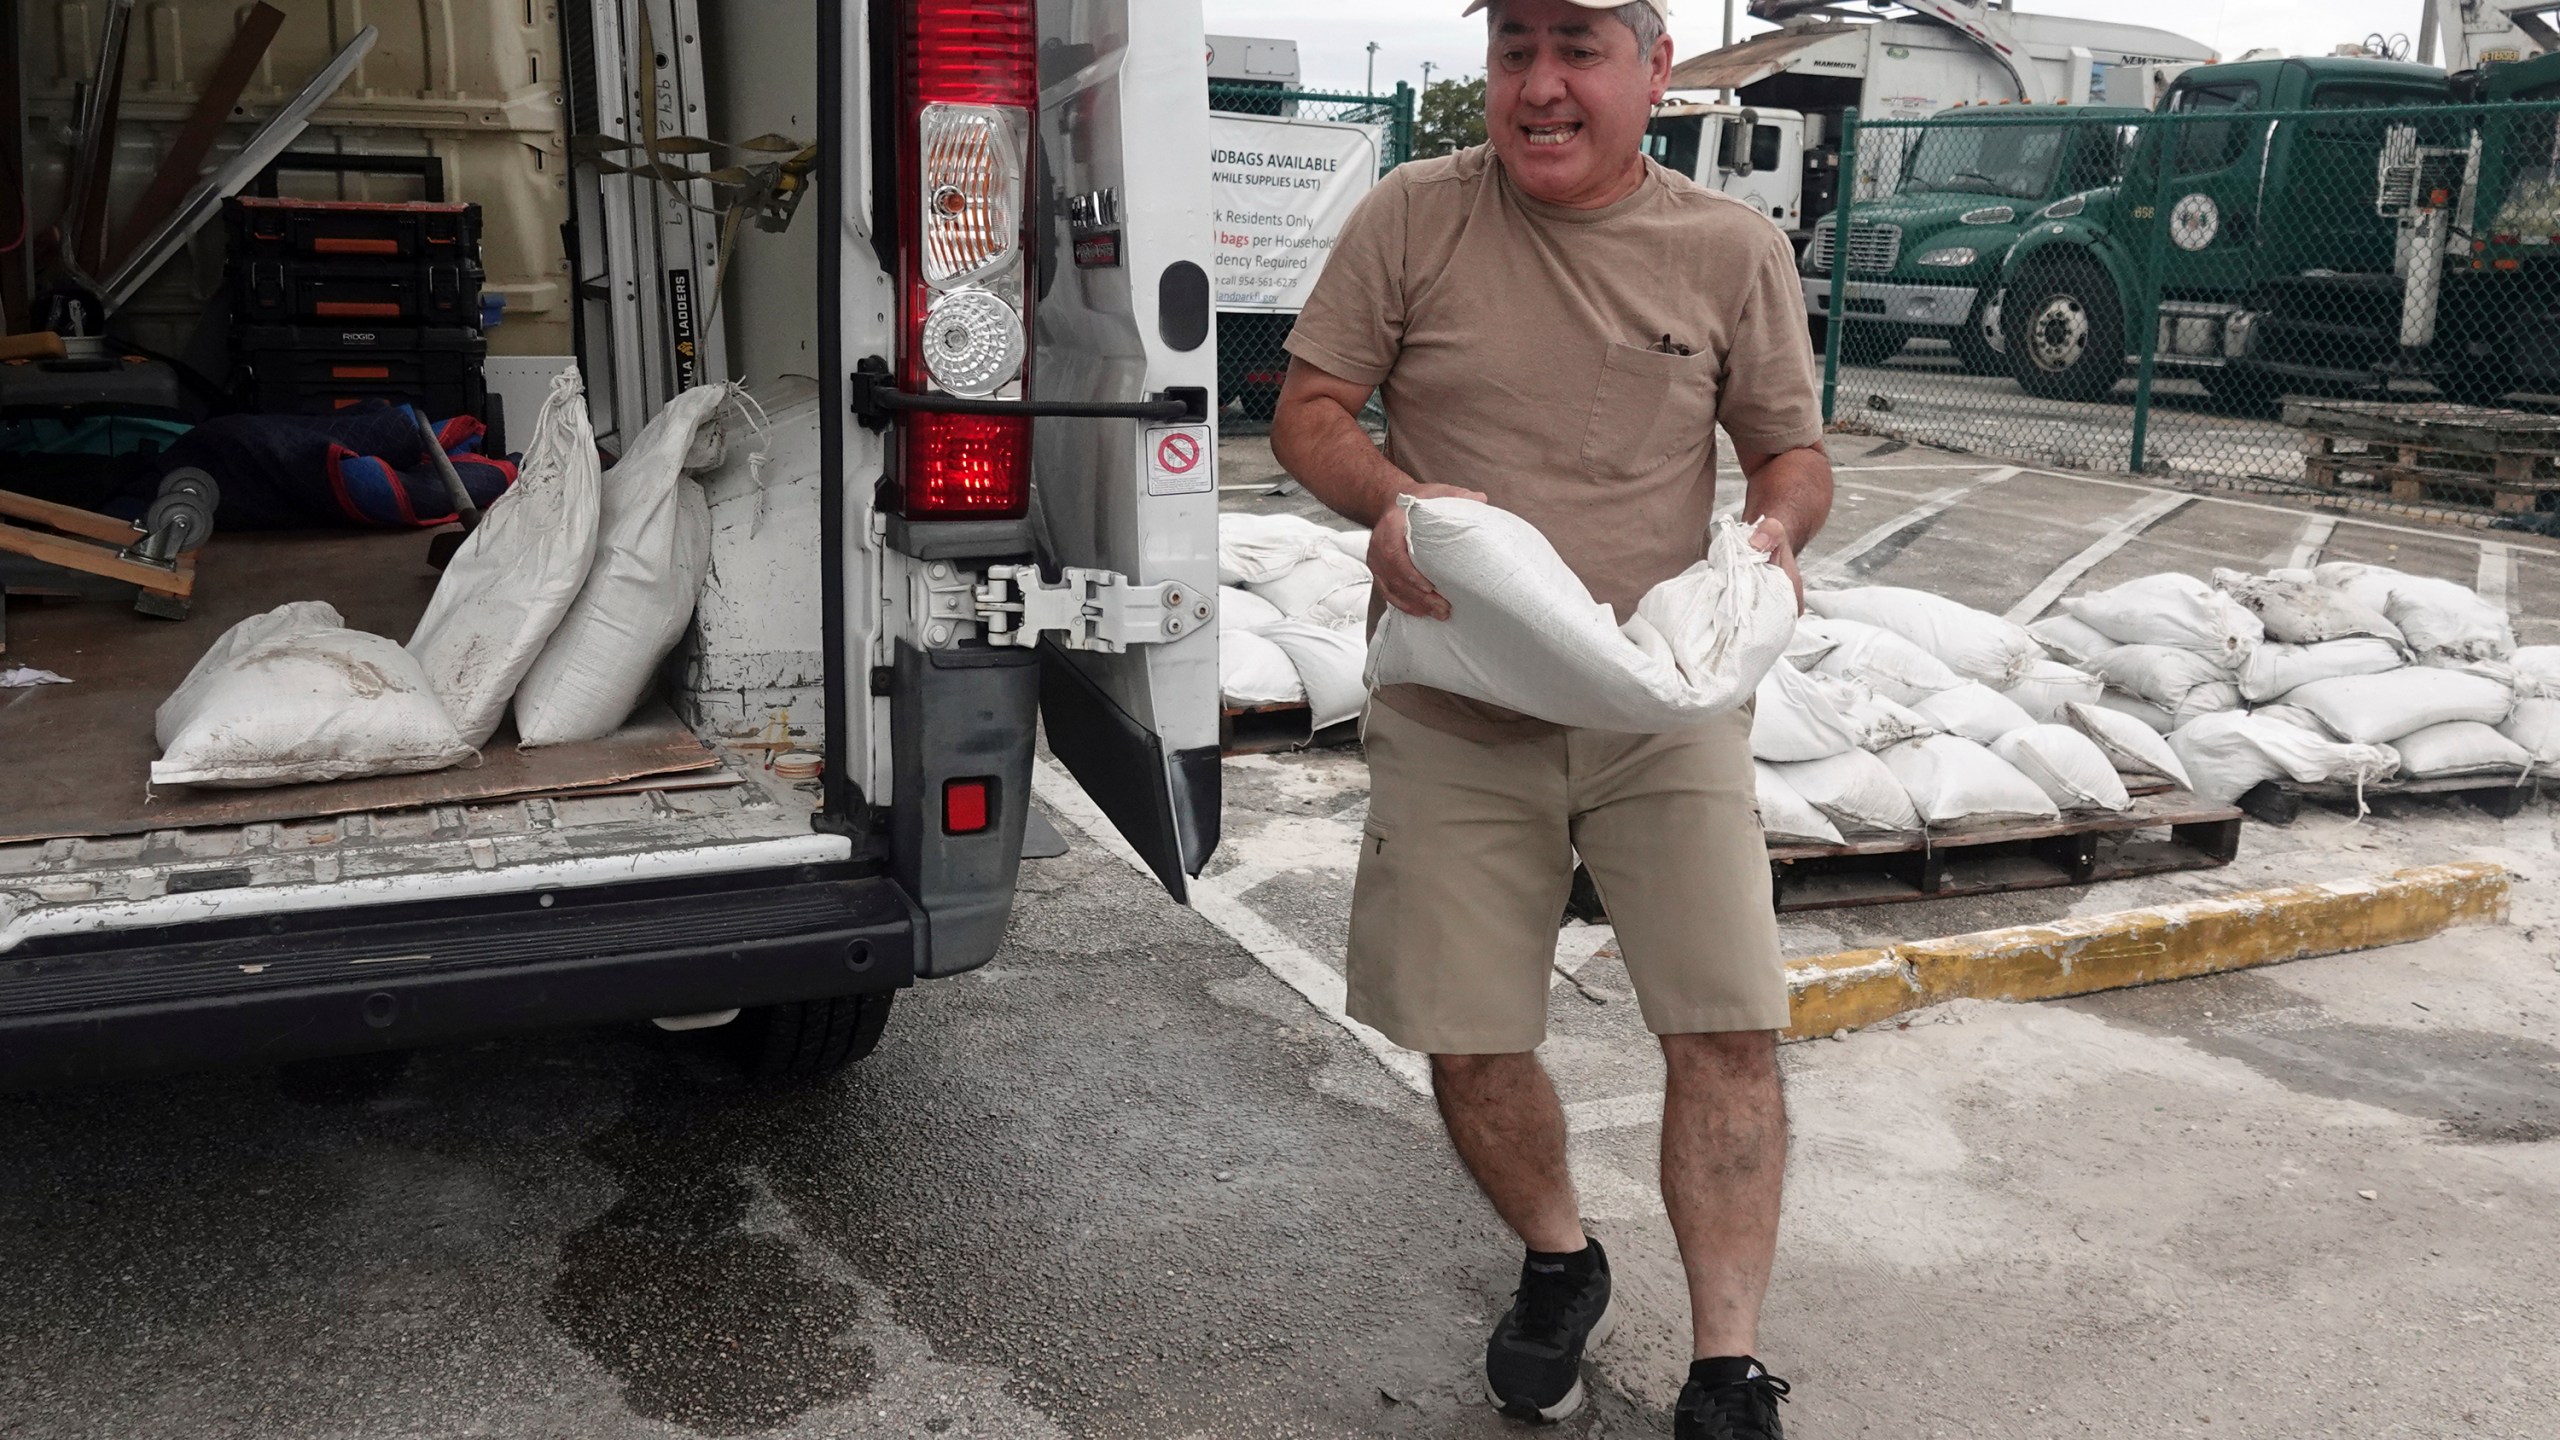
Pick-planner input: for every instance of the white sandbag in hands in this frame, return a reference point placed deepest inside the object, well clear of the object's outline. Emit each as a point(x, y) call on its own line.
point(1525, 633)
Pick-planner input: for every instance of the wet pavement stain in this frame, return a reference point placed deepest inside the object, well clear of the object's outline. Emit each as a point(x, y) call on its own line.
point(709, 1324)
point(2483, 1088)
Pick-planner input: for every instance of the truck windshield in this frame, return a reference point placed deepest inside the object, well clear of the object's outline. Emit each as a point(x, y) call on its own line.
point(2013, 160)
point(1673, 140)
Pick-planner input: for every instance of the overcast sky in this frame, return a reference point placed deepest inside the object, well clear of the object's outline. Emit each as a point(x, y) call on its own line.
point(1331, 33)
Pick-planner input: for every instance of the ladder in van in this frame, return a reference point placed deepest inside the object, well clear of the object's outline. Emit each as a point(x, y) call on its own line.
point(643, 245)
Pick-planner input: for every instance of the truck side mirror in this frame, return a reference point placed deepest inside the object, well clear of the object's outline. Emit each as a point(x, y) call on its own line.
point(1735, 145)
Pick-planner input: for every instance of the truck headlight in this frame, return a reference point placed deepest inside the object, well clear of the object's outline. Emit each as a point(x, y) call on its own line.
point(1952, 255)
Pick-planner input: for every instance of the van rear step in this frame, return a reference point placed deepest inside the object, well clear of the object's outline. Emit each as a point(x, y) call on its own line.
point(271, 988)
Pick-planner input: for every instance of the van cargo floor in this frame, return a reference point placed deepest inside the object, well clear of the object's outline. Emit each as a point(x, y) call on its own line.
point(75, 759)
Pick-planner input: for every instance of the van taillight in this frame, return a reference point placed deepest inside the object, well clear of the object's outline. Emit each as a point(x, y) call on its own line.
point(968, 93)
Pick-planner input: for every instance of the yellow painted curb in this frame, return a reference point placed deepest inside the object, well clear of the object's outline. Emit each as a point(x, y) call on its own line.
point(2141, 947)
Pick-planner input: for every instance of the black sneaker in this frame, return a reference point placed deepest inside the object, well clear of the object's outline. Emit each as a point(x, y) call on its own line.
point(1533, 1363)
point(1734, 1410)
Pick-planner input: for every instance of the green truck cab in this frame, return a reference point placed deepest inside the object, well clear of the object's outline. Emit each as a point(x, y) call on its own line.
point(1923, 258)
point(2277, 270)
point(2502, 285)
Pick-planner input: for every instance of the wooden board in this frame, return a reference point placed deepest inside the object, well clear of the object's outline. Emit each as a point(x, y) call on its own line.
point(2163, 831)
point(2430, 425)
point(75, 759)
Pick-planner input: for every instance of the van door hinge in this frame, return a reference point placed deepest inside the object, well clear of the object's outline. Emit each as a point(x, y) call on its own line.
point(1085, 610)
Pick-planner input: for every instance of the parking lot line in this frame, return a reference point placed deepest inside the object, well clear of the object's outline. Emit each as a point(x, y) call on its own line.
point(1836, 564)
point(2133, 522)
point(2313, 539)
point(2497, 575)
point(1219, 901)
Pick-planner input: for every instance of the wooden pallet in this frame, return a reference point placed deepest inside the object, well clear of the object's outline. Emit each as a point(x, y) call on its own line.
point(1992, 859)
point(2462, 454)
point(2279, 802)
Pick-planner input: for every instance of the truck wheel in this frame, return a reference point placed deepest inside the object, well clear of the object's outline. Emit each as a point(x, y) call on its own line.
point(808, 1040)
point(2065, 333)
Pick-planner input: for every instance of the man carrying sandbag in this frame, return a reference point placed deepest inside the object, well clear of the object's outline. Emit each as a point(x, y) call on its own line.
point(1559, 325)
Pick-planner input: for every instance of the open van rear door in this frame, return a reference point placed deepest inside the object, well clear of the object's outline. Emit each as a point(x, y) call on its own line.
point(1123, 315)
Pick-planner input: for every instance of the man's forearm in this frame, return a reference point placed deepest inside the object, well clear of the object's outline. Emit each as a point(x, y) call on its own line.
point(1792, 487)
point(1323, 446)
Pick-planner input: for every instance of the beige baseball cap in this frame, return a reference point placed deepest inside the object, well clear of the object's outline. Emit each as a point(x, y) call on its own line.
point(1660, 7)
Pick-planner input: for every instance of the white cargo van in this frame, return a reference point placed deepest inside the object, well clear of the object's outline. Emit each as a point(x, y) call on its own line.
point(972, 495)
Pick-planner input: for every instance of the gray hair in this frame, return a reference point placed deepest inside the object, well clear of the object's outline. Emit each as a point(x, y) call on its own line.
point(1638, 16)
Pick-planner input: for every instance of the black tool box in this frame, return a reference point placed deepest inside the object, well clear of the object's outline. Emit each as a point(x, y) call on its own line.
point(361, 230)
point(303, 369)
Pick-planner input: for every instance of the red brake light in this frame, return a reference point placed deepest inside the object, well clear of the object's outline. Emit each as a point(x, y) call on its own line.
point(969, 92)
point(964, 807)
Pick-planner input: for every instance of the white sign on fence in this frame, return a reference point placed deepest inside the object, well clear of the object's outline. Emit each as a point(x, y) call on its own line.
point(1279, 191)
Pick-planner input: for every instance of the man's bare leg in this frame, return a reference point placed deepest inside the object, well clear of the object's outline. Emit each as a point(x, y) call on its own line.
point(1724, 1160)
point(1504, 1117)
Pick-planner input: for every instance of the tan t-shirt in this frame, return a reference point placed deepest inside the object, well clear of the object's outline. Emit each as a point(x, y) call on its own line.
point(1536, 353)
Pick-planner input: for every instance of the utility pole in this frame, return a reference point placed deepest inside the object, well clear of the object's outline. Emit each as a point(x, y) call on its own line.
point(1426, 76)
point(1726, 95)
point(1370, 88)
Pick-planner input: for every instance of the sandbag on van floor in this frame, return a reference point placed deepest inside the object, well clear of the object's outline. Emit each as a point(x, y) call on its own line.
point(2179, 611)
point(1975, 711)
point(1329, 661)
point(2229, 753)
point(1784, 815)
point(2069, 640)
point(2131, 746)
point(1525, 633)
point(2066, 765)
point(653, 547)
point(1792, 719)
point(2181, 682)
point(1256, 548)
point(1240, 611)
point(1885, 663)
point(1854, 791)
point(292, 696)
point(1253, 671)
point(2297, 609)
point(1952, 780)
point(2535, 726)
point(517, 573)
point(2436, 617)
point(2460, 747)
point(2049, 685)
point(2275, 668)
point(2378, 709)
point(1973, 643)
point(1873, 721)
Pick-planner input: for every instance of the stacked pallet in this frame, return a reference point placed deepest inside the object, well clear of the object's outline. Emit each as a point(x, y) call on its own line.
point(2503, 460)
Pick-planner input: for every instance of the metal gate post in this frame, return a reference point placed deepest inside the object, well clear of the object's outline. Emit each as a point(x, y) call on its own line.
point(1831, 316)
point(2146, 311)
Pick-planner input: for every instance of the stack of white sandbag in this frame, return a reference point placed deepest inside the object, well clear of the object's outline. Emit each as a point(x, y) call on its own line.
point(2347, 673)
point(1293, 601)
point(1899, 709)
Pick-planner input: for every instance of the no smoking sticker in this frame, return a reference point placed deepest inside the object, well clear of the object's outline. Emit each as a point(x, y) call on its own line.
point(1179, 462)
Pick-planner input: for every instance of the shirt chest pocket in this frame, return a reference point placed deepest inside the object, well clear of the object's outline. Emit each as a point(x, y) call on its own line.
point(1650, 410)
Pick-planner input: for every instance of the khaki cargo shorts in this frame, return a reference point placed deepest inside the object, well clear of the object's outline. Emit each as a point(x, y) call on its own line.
point(1467, 860)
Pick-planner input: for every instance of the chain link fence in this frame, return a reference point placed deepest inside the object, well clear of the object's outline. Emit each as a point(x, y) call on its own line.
point(2357, 302)
point(1251, 360)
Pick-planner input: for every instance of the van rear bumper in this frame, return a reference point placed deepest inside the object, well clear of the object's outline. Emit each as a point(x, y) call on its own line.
point(265, 989)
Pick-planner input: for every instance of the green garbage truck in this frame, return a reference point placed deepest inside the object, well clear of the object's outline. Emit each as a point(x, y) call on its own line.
point(1951, 199)
point(2284, 261)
